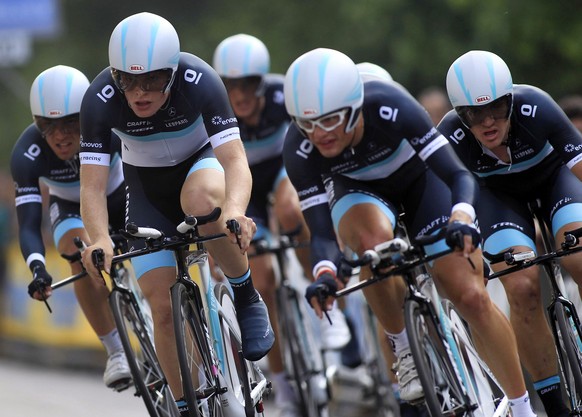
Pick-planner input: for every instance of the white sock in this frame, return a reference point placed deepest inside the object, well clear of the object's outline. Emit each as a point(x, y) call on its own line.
point(521, 407)
point(112, 342)
point(399, 341)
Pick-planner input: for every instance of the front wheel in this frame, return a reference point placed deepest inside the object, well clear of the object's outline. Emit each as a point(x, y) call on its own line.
point(245, 381)
point(198, 367)
point(570, 354)
point(148, 378)
point(484, 390)
point(444, 395)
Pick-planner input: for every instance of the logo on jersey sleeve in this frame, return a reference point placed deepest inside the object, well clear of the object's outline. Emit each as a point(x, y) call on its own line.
point(219, 121)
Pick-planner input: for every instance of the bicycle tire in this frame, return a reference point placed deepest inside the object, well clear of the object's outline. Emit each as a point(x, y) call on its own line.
point(483, 388)
point(300, 353)
point(443, 392)
point(148, 377)
point(570, 354)
point(198, 366)
point(242, 376)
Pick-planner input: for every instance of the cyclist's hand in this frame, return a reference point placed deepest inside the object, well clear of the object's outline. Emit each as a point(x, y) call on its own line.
point(320, 294)
point(88, 259)
point(462, 236)
point(241, 230)
point(40, 287)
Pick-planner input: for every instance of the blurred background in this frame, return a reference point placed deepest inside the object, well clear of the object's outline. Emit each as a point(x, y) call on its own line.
point(415, 40)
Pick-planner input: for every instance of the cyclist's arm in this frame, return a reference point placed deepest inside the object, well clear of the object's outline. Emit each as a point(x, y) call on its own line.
point(94, 212)
point(238, 181)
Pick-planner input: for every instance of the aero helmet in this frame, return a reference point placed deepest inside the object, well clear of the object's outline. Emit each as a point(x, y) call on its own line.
point(144, 42)
point(477, 78)
point(241, 56)
point(323, 81)
point(371, 71)
point(57, 92)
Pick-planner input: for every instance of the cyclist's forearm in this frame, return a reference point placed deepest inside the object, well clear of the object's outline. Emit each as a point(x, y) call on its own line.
point(94, 205)
point(238, 185)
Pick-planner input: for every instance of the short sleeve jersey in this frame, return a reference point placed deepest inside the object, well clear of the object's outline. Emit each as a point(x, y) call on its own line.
point(398, 139)
point(541, 139)
point(33, 161)
point(197, 112)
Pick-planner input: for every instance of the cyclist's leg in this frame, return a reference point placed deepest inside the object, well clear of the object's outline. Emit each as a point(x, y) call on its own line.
point(362, 221)
point(155, 284)
point(567, 216)
point(506, 222)
point(203, 190)
point(426, 211)
point(92, 296)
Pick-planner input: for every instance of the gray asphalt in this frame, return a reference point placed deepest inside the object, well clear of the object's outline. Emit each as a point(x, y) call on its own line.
point(42, 391)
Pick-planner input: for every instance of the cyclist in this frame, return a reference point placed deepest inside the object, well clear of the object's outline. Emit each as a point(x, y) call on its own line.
point(256, 97)
point(48, 152)
point(182, 153)
point(357, 153)
point(521, 146)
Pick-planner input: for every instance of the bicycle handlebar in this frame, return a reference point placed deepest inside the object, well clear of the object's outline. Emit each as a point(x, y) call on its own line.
point(395, 254)
point(526, 259)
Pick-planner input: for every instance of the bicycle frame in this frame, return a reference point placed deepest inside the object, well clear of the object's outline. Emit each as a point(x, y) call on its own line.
point(464, 389)
point(563, 316)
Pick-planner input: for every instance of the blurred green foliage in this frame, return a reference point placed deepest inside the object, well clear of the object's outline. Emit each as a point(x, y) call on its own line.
point(415, 40)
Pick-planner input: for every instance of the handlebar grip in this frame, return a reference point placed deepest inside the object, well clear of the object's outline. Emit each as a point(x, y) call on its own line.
point(145, 232)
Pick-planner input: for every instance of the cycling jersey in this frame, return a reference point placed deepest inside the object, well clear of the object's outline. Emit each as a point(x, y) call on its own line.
point(264, 145)
point(265, 141)
point(159, 151)
point(197, 112)
point(542, 144)
point(394, 164)
point(33, 161)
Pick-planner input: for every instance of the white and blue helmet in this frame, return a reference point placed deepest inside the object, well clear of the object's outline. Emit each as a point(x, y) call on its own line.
point(322, 81)
point(369, 70)
point(58, 92)
point(241, 56)
point(144, 42)
point(477, 78)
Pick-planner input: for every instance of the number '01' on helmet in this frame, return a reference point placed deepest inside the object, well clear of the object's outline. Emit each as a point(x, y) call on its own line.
point(477, 78)
point(323, 81)
point(57, 92)
point(144, 42)
point(241, 56)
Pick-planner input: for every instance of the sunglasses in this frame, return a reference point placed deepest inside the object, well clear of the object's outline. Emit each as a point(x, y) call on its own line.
point(243, 84)
point(150, 81)
point(67, 124)
point(475, 115)
point(328, 122)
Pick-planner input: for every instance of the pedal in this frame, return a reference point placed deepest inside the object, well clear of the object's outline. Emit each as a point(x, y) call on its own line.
point(121, 384)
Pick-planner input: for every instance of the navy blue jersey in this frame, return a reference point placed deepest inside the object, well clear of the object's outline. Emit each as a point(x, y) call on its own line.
point(197, 112)
point(265, 141)
point(33, 161)
point(541, 139)
point(398, 146)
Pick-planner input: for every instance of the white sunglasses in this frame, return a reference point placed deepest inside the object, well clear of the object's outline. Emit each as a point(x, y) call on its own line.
point(328, 122)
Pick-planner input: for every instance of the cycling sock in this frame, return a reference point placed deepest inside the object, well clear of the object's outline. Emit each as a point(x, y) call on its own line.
point(521, 407)
point(551, 395)
point(243, 289)
point(399, 341)
point(112, 342)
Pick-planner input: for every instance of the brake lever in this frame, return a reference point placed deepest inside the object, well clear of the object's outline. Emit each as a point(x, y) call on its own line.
point(234, 227)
